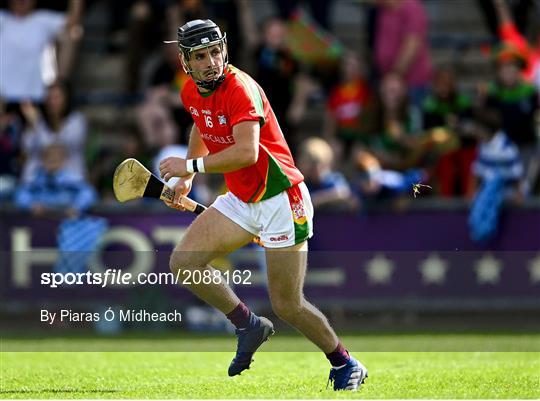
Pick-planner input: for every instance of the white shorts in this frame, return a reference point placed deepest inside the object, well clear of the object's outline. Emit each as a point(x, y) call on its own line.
point(281, 221)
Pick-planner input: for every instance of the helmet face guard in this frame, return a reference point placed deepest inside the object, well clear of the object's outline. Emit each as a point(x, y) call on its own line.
point(197, 35)
point(210, 83)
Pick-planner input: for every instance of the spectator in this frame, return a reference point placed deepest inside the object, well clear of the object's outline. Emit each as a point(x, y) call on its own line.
point(54, 188)
point(276, 71)
point(376, 183)
point(518, 103)
point(499, 173)
point(162, 116)
point(275, 65)
point(59, 123)
point(128, 143)
point(516, 99)
point(148, 22)
point(445, 106)
point(401, 45)
point(512, 38)
point(498, 156)
point(26, 34)
point(451, 110)
point(346, 105)
point(389, 132)
point(391, 136)
point(328, 188)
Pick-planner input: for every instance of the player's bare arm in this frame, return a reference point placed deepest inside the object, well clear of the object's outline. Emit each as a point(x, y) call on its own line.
point(243, 153)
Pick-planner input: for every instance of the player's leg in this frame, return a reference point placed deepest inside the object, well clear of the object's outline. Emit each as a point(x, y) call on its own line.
point(286, 273)
point(287, 224)
point(215, 233)
point(208, 237)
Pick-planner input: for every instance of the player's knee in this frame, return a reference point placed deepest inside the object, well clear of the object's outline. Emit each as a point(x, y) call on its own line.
point(174, 263)
point(179, 261)
point(286, 308)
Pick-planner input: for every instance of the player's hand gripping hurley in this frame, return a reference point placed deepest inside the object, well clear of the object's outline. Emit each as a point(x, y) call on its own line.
point(133, 181)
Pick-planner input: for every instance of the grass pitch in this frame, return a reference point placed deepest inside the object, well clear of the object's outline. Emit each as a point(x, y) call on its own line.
point(278, 375)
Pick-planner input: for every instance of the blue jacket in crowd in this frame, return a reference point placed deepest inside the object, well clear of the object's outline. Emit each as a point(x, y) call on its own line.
point(56, 191)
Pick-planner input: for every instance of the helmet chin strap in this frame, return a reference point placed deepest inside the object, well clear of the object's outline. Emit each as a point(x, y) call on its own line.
point(212, 83)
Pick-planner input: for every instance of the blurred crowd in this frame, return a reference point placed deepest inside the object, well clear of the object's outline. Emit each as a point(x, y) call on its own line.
point(391, 118)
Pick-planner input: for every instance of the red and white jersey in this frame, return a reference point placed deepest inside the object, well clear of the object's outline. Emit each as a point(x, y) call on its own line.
point(239, 98)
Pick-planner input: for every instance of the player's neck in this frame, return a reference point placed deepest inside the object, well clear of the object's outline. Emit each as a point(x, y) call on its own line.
point(204, 92)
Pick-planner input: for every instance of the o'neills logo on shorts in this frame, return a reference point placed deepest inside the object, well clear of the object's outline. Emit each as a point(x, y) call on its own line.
point(281, 238)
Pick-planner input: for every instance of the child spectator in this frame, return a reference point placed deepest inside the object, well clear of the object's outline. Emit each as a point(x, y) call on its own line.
point(445, 106)
point(329, 189)
point(58, 124)
point(451, 110)
point(54, 187)
point(518, 103)
point(516, 100)
point(498, 170)
point(498, 156)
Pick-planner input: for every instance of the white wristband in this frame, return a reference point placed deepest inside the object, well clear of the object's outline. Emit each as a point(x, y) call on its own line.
point(195, 165)
point(190, 166)
point(200, 165)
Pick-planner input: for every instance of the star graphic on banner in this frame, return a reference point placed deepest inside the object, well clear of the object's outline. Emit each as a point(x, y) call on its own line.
point(534, 270)
point(379, 269)
point(433, 269)
point(488, 270)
